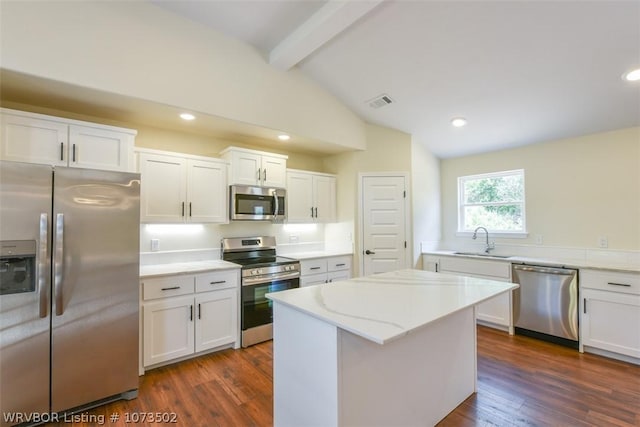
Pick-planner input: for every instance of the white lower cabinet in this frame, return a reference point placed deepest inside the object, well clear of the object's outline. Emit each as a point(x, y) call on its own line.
point(184, 315)
point(496, 312)
point(610, 312)
point(325, 270)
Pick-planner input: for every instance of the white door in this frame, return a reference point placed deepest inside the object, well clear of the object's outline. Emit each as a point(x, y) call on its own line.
point(29, 140)
point(274, 172)
point(216, 314)
point(168, 329)
point(96, 148)
point(384, 235)
point(324, 193)
point(299, 197)
point(245, 168)
point(206, 192)
point(163, 188)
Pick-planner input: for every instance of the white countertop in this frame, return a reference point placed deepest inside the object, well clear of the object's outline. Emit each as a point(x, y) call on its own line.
point(185, 267)
point(555, 262)
point(315, 254)
point(387, 306)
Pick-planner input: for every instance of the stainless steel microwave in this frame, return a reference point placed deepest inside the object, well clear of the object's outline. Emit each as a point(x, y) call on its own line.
point(252, 203)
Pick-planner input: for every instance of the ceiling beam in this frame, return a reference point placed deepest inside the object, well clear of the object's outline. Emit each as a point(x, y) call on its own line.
point(330, 20)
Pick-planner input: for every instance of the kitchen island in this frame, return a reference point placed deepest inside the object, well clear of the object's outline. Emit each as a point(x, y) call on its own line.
point(396, 348)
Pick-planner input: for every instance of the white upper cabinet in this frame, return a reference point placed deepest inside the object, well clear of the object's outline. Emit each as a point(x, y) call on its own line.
point(177, 189)
point(250, 167)
point(311, 197)
point(36, 138)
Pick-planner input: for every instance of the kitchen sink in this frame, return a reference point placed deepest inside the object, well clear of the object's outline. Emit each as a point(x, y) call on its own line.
point(483, 254)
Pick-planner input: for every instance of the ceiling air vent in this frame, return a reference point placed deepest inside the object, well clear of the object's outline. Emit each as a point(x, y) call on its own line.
point(380, 101)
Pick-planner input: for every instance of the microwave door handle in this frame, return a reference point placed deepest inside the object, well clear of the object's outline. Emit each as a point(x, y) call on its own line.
point(276, 208)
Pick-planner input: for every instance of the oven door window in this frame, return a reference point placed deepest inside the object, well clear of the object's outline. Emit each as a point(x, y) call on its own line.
point(256, 308)
point(252, 204)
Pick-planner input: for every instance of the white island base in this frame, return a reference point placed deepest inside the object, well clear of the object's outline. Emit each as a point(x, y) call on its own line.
point(392, 349)
point(326, 376)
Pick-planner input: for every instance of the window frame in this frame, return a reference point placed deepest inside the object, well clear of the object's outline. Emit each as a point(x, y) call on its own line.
point(497, 233)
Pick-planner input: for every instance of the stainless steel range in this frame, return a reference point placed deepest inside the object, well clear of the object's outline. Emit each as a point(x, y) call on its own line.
point(262, 272)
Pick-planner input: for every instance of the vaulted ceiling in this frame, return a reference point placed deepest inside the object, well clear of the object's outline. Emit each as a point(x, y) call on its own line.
point(520, 72)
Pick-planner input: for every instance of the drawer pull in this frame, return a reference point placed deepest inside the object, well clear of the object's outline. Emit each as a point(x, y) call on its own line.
point(217, 282)
point(340, 265)
point(314, 268)
point(171, 288)
point(626, 285)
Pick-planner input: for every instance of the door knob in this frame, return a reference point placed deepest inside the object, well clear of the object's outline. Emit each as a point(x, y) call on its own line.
point(368, 252)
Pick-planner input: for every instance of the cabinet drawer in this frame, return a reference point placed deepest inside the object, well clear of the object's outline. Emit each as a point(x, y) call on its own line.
point(216, 280)
point(339, 263)
point(169, 286)
point(313, 266)
point(495, 269)
point(607, 280)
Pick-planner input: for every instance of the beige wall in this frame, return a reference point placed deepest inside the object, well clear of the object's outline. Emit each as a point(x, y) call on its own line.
point(576, 189)
point(137, 49)
point(425, 198)
point(387, 150)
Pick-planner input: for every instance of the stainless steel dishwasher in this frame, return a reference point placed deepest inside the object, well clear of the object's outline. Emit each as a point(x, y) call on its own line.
point(546, 303)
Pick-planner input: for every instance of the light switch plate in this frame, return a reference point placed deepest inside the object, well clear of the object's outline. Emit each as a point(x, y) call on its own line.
point(155, 245)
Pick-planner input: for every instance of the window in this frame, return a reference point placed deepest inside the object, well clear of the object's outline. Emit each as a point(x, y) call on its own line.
point(492, 200)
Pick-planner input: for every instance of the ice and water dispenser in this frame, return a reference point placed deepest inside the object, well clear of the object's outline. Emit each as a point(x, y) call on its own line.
point(17, 266)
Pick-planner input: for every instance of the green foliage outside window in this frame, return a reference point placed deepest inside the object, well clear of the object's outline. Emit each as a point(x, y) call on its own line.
point(494, 201)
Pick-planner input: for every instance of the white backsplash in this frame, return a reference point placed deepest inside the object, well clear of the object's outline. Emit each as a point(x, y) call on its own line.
point(543, 252)
point(201, 242)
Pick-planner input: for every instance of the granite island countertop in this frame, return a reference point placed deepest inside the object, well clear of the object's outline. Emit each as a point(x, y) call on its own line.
point(384, 307)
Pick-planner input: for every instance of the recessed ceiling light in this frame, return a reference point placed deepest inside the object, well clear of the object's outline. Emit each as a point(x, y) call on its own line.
point(458, 121)
point(187, 116)
point(284, 137)
point(632, 76)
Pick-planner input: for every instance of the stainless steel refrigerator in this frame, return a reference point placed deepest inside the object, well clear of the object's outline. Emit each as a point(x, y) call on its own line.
point(69, 299)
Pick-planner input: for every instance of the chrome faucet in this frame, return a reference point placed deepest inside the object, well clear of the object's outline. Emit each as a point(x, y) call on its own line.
point(489, 246)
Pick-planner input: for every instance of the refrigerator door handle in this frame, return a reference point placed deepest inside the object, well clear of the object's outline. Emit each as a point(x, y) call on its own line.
point(58, 263)
point(43, 264)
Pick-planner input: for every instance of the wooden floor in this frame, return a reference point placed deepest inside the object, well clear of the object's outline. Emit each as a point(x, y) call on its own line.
point(522, 382)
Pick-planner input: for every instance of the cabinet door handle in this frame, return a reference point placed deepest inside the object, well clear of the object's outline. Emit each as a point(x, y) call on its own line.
point(191, 313)
point(314, 268)
point(584, 305)
point(182, 208)
point(170, 289)
point(259, 172)
point(217, 282)
point(312, 212)
point(316, 212)
point(340, 265)
point(189, 209)
point(368, 252)
point(62, 151)
point(626, 285)
point(73, 150)
point(199, 312)
point(265, 175)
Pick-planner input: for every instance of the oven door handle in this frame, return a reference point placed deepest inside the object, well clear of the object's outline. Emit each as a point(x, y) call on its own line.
point(249, 281)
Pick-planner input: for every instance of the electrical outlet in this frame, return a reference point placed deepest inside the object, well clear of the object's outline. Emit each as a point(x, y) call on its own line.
point(538, 238)
point(603, 242)
point(155, 245)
